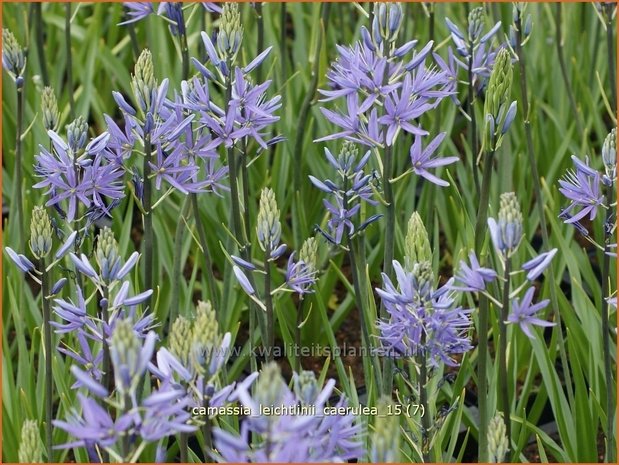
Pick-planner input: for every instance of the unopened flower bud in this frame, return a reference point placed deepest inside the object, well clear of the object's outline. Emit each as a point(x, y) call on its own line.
point(40, 233)
point(309, 253)
point(386, 437)
point(507, 233)
point(347, 157)
point(496, 107)
point(77, 132)
point(270, 385)
point(417, 244)
point(180, 340)
point(143, 81)
point(306, 387)
point(423, 277)
point(205, 339)
point(13, 58)
point(125, 354)
point(387, 22)
point(49, 109)
point(476, 23)
point(498, 443)
point(107, 255)
point(268, 225)
point(609, 154)
point(230, 34)
point(30, 450)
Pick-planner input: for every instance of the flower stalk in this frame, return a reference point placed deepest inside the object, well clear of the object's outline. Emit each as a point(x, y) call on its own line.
point(67, 32)
point(504, 403)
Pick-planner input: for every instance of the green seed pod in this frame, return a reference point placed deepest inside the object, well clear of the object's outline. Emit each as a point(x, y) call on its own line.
point(30, 450)
point(13, 57)
point(205, 339)
point(230, 34)
point(40, 233)
point(180, 340)
point(268, 226)
point(49, 109)
point(498, 443)
point(306, 387)
point(417, 244)
point(609, 154)
point(143, 81)
point(309, 253)
point(386, 435)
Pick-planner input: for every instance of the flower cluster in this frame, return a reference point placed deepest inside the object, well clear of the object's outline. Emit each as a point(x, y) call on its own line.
point(352, 187)
point(308, 436)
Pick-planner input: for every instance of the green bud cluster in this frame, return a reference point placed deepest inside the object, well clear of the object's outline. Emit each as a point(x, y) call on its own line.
point(106, 253)
point(268, 226)
point(497, 109)
point(306, 387)
point(205, 338)
point(609, 154)
point(49, 109)
point(40, 233)
point(510, 221)
point(424, 279)
point(476, 21)
point(30, 443)
point(386, 437)
point(143, 82)
point(180, 339)
point(77, 132)
point(230, 34)
point(13, 56)
point(498, 443)
point(347, 157)
point(270, 385)
point(309, 253)
point(416, 245)
point(125, 351)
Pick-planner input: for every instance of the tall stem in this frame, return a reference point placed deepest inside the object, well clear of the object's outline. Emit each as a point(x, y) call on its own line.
point(423, 400)
point(67, 35)
point(608, 374)
point(47, 336)
point(177, 263)
point(297, 334)
point(610, 48)
point(539, 201)
point(473, 123)
point(38, 30)
point(482, 348)
point(562, 65)
point(18, 175)
point(183, 447)
point(208, 261)
point(270, 342)
point(259, 37)
point(504, 403)
point(148, 217)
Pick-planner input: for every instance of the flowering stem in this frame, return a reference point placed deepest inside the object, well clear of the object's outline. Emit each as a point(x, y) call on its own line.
point(537, 189)
point(184, 447)
point(504, 403)
point(270, 333)
point(47, 337)
point(482, 354)
point(282, 43)
point(106, 348)
point(17, 178)
point(564, 74)
point(260, 37)
point(423, 400)
point(608, 374)
point(611, 54)
point(297, 333)
point(206, 431)
point(148, 218)
point(177, 263)
point(67, 32)
point(473, 124)
point(39, 41)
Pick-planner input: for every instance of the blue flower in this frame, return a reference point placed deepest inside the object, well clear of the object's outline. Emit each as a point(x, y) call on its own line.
point(523, 313)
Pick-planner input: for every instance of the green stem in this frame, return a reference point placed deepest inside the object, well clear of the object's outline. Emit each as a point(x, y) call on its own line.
point(38, 18)
point(610, 42)
point(482, 350)
point(148, 218)
point(537, 189)
point(563, 67)
point(423, 400)
point(608, 374)
point(47, 337)
point(270, 342)
point(67, 32)
point(107, 372)
point(504, 400)
point(184, 55)
point(177, 264)
point(297, 334)
point(18, 175)
point(259, 37)
point(282, 42)
point(473, 123)
point(184, 447)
